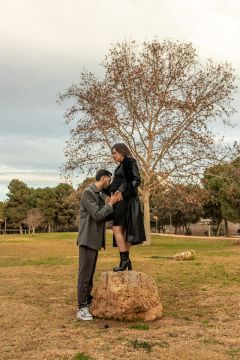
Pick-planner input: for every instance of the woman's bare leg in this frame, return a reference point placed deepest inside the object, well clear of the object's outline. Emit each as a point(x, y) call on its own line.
point(120, 238)
point(128, 244)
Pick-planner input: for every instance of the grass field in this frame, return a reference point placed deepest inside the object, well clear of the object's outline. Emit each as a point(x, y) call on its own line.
point(201, 301)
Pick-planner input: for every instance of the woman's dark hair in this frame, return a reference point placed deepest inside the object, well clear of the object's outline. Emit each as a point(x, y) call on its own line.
point(122, 149)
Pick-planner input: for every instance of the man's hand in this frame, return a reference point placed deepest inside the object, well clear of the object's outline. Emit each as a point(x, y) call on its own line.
point(117, 196)
point(120, 195)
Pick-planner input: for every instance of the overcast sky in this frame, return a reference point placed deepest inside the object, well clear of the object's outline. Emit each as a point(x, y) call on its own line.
point(46, 44)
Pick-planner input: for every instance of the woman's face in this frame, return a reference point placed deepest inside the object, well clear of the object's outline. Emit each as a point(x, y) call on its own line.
point(117, 156)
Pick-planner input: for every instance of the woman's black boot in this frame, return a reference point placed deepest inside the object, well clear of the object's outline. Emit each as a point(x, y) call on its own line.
point(125, 262)
point(130, 266)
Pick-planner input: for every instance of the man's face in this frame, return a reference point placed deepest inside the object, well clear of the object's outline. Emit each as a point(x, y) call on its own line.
point(106, 181)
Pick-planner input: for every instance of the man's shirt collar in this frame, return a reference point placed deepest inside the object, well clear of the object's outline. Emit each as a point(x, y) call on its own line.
point(95, 188)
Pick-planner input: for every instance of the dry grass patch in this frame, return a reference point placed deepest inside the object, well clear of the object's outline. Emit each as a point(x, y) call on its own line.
point(38, 302)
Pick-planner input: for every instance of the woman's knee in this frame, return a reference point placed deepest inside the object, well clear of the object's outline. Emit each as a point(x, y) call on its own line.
point(117, 230)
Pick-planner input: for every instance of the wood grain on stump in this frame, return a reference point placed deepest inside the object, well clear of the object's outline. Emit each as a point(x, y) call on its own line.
point(127, 295)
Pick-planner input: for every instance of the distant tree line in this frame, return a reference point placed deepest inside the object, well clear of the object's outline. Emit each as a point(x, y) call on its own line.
point(45, 209)
point(216, 198)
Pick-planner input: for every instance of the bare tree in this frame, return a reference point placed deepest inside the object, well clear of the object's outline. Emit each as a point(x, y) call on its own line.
point(157, 98)
point(34, 219)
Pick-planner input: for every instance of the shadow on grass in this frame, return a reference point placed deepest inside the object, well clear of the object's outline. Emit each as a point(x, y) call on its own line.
point(35, 262)
point(139, 327)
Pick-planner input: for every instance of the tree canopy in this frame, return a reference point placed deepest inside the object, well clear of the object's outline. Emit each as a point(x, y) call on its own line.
point(159, 99)
point(223, 183)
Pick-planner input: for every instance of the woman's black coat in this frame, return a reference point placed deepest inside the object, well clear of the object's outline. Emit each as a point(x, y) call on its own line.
point(135, 233)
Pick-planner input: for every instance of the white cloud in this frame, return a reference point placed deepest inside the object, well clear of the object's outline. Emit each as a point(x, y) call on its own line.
point(85, 29)
point(38, 178)
point(46, 44)
point(7, 173)
point(34, 152)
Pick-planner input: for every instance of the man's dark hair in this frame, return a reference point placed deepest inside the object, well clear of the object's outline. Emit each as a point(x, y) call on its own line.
point(102, 172)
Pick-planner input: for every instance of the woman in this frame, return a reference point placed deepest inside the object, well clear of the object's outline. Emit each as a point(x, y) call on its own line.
point(128, 228)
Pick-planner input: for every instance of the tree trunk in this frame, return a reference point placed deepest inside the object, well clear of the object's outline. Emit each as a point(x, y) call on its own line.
point(49, 228)
point(33, 230)
point(209, 230)
point(226, 228)
point(218, 227)
point(146, 196)
point(20, 229)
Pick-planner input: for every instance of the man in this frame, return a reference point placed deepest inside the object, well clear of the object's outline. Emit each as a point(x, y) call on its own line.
point(91, 237)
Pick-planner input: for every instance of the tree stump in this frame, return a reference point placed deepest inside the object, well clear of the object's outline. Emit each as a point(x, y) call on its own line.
point(127, 295)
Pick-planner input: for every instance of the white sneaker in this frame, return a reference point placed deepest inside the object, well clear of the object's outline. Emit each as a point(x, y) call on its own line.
point(84, 314)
